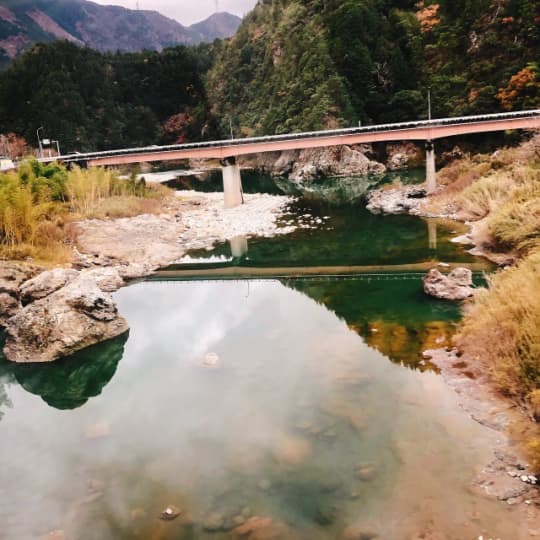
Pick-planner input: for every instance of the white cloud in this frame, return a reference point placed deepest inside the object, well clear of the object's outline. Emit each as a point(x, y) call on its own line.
point(186, 11)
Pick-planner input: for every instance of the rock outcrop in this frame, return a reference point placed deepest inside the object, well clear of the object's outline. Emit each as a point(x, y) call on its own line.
point(306, 165)
point(398, 200)
point(69, 319)
point(12, 275)
point(403, 155)
point(457, 285)
point(46, 283)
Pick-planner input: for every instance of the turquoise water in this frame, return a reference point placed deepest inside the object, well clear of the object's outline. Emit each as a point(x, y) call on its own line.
point(304, 402)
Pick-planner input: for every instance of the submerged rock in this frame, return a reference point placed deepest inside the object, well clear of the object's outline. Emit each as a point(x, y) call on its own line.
point(457, 285)
point(358, 532)
point(170, 513)
point(66, 321)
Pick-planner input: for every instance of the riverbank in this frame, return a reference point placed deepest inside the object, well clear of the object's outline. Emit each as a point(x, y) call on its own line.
point(497, 196)
point(49, 314)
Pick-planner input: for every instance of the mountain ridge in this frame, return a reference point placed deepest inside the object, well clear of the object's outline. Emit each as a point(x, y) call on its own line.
point(104, 28)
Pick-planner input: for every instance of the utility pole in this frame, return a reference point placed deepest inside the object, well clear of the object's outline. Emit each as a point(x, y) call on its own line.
point(230, 128)
point(429, 103)
point(39, 141)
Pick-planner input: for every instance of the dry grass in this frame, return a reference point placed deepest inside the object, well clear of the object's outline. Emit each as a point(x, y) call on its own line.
point(38, 205)
point(506, 201)
point(99, 193)
point(507, 317)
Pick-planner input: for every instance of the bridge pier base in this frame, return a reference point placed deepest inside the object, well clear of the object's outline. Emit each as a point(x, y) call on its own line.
point(431, 175)
point(232, 183)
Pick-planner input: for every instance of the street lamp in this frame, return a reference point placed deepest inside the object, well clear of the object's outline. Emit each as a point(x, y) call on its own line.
point(429, 103)
point(39, 141)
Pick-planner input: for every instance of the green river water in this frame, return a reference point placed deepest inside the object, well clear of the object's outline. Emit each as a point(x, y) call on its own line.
point(299, 399)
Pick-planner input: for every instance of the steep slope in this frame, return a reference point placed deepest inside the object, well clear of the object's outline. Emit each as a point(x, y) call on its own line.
point(104, 28)
point(308, 64)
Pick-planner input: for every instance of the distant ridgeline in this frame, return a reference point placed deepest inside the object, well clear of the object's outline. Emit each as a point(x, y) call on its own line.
point(104, 28)
point(293, 65)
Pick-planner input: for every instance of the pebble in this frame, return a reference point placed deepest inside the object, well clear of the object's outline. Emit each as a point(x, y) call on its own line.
point(170, 513)
point(264, 485)
point(211, 360)
point(213, 522)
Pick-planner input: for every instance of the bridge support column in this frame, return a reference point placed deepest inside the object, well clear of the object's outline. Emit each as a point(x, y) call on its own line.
point(232, 183)
point(431, 176)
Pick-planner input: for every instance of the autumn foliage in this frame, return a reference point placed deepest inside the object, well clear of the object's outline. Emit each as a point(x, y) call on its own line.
point(13, 146)
point(428, 16)
point(523, 82)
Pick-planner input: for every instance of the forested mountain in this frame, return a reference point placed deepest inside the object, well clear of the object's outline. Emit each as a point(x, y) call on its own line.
point(89, 100)
point(292, 65)
point(306, 64)
point(104, 28)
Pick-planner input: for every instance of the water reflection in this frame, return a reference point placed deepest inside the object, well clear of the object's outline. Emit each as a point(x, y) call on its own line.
point(239, 246)
point(351, 236)
point(391, 313)
point(432, 234)
point(71, 381)
point(301, 423)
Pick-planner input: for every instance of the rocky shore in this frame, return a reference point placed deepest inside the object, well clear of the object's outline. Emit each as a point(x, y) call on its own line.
point(48, 314)
point(507, 477)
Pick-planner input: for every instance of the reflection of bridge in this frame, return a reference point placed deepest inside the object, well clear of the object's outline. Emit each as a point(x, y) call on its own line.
point(404, 271)
point(228, 150)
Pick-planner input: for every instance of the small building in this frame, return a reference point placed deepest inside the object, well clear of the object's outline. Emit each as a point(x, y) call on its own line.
point(6, 164)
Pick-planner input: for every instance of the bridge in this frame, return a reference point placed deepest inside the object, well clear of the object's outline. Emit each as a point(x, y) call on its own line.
point(226, 151)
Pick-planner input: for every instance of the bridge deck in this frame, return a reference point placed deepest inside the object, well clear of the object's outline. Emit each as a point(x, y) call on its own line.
point(412, 131)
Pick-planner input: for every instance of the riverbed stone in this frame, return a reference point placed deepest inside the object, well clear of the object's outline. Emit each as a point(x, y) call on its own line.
point(46, 283)
point(457, 285)
point(68, 320)
point(358, 532)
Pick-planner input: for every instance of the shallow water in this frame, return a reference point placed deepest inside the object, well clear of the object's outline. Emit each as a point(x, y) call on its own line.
point(302, 400)
point(301, 420)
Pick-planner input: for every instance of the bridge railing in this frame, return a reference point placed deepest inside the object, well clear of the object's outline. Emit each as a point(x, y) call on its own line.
point(301, 135)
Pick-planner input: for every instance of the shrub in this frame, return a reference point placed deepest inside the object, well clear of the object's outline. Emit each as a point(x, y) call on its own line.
point(37, 204)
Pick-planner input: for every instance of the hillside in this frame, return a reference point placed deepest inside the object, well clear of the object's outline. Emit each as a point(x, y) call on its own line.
point(218, 25)
point(300, 65)
point(104, 28)
point(292, 65)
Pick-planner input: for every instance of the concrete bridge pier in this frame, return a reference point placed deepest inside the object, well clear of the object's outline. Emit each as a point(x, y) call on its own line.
point(431, 177)
point(232, 183)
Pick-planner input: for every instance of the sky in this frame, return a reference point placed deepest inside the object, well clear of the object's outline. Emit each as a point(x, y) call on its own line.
point(186, 11)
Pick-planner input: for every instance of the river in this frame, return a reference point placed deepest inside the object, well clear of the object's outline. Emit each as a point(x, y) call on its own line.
point(300, 398)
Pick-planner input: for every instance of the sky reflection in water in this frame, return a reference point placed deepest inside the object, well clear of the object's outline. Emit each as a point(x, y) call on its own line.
point(287, 423)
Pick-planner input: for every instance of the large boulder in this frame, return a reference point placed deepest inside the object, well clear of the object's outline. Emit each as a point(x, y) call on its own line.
point(457, 285)
point(12, 275)
point(107, 279)
point(68, 320)
point(46, 283)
